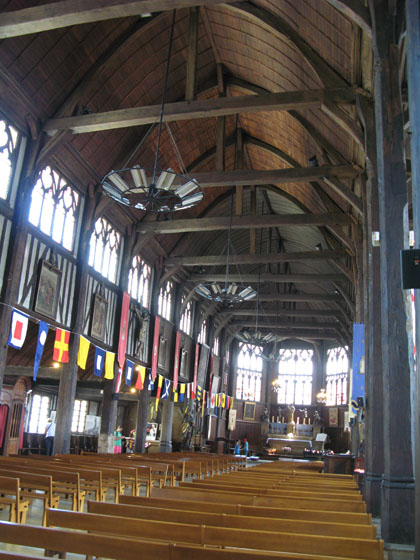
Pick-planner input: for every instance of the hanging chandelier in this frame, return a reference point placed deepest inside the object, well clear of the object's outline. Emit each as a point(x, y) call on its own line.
point(229, 293)
point(154, 189)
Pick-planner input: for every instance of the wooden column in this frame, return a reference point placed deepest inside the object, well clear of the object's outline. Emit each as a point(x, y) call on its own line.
point(413, 76)
point(192, 54)
point(397, 511)
point(374, 438)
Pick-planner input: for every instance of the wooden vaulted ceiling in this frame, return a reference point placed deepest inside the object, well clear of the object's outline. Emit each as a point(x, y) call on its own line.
point(279, 78)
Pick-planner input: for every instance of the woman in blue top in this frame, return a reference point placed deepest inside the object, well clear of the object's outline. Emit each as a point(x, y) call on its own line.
point(246, 447)
point(237, 448)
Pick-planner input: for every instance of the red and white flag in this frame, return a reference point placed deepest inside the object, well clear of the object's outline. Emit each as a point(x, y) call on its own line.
point(155, 350)
point(18, 329)
point(122, 343)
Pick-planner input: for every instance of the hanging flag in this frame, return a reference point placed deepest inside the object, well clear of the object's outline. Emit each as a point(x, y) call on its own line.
point(99, 362)
point(159, 391)
point(42, 337)
point(61, 346)
point(119, 378)
point(358, 367)
point(231, 403)
point(223, 404)
point(140, 377)
point(129, 368)
point(155, 350)
point(176, 358)
point(188, 390)
point(122, 343)
point(199, 393)
point(194, 386)
point(213, 400)
point(18, 329)
point(203, 404)
point(208, 400)
point(83, 352)
point(151, 385)
point(181, 396)
point(166, 387)
point(227, 401)
point(109, 365)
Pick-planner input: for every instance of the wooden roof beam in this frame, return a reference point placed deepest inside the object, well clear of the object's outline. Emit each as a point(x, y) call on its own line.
point(285, 324)
point(76, 12)
point(267, 277)
point(244, 312)
point(199, 109)
point(243, 222)
point(355, 11)
point(213, 260)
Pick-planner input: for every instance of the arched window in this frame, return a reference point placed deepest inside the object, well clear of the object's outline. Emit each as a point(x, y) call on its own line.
point(249, 373)
point(139, 279)
point(104, 249)
point(295, 376)
point(186, 318)
point(165, 300)
point(9, 149)
point(216, 344)
point(54, 207)
point(202, 337)
point(337, 376)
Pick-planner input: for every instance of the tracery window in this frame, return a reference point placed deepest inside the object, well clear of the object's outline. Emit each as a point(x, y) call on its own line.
point(9, 143)
point(337, 376)
point(202, 337)
point(295, 376)
point(166, 300)
point(216, 344)
point(104, 249)
point(79, 416)
point(139, 280)
point(54, 207)
point(186, 318)
point(249, 373)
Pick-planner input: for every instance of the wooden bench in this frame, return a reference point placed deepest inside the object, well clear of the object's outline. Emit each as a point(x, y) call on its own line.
point(256, 511)
point(217, 519)
point(69, 541)
point(204, 535)
point(10, 496)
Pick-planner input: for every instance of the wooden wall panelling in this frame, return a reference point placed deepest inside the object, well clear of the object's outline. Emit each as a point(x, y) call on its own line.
point(5, 227)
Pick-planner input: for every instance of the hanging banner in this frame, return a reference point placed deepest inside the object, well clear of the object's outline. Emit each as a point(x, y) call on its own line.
point(140, 378)
point(82, 354)
point(129, 369)
point(155, 350)
point(358, 365)
point(42, 337)
point(18, 329)
point(194, 387)
point(61, 346)
point(176, 360)
point(99, 362)
point(109, 365)
point(122, 343)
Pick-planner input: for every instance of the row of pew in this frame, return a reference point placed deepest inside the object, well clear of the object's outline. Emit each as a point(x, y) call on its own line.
point(282, 510)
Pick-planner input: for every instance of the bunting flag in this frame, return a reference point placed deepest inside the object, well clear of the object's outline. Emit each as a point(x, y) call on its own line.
point(151, 385)
point(194, 387)
point(109, 365)
point(159, 391)
point(166, 387)
point(203, 406)
point(199, 393)
point(208, 400)
point(83, 352)
point(188, 390)
point(216, 400)
point(140, 377)
point(119, 378)
point(181, 396)
point(176, 358)
point(61, 346)
point(18, 329)
point(99, 362)
point(231, 403)
point(174, 395)
point(228, 401)
point(42, 337)
point(122, 343)
point(213, 400)
point(129, 369)
point(223, 404)
point(155, 350)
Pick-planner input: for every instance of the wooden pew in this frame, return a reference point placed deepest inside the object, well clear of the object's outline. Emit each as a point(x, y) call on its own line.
point(233, 521)
point(10, 496)
point(191, 493)
point(218, 536)
point(65, 541)
point(257, 511)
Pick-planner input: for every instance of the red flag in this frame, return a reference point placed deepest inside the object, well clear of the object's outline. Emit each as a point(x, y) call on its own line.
point(155, 348)
point(61, 346)
point(176, 361)
point(194, 387)
point(122, 344)
point(140, 378)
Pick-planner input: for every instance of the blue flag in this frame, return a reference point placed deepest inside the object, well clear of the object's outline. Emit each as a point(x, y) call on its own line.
point(99, 361)
point(42, 337)
point(166, 387)
point(128, 372)
point(358, 364)
point(151, 385)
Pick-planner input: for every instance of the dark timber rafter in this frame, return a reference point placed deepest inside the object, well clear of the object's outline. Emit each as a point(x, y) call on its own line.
point(266, 277)
point(137, 116)
point(76, 12)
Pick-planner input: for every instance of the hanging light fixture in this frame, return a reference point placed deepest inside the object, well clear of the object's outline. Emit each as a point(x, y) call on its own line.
point(154, 189)
point(229, 293)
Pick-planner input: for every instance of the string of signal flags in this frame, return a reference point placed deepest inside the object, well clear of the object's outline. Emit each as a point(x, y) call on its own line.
point(165, 388)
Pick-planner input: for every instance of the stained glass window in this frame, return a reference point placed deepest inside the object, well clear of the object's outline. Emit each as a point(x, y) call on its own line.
point(186, 318)
point(202, 337)
point(337, 376)
point(139, 279)
point(104, 249)
point(165, 300)
point(249, 373)
point(295, 376)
